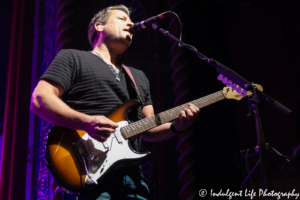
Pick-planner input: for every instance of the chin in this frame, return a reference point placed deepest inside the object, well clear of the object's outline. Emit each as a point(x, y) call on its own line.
point(128, 40)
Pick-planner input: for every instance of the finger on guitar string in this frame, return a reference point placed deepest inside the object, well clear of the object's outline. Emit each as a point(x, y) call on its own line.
point(187, 117)
point(192, 113)
point(103, 121)
point(104, 130)
point(189, 113)
point(102, 133)
point(194, 108)
point(183, 116)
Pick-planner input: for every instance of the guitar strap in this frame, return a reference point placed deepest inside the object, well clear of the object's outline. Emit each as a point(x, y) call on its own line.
point(133, 83)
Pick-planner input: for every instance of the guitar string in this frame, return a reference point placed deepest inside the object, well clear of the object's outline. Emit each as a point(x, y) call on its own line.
point(136, 125)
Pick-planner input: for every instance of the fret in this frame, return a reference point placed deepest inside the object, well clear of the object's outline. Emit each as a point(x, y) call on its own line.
point(200, 102)
point(174, 115)
point(194, 102)
point(207, 99)
point(122, 132)
point(203, 105)
point(147, 123)
point(138, 126)
point(221, 95)
point(216, 96)
point(182, 107)
point(178, 110)
point(131, 133)
point(162, 114)
point(168, 115)
point(153, 121)
point(186, 105)
point(214, 99)
point(134, 130)
point(143, 124)
point(130, 130)
point(126, 131)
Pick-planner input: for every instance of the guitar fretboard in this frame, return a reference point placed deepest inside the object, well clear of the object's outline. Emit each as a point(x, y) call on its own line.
point(168, 115)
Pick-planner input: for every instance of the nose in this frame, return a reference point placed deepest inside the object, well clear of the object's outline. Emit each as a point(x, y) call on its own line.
point(130, 23)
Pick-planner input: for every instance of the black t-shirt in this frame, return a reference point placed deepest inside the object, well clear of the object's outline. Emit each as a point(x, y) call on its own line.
point(89, 84)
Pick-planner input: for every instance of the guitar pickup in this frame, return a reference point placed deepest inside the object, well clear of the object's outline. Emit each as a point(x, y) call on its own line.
point(80, 150)
point(117, 135)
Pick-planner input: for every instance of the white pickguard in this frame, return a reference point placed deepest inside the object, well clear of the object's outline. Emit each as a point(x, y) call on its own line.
point(103, 155)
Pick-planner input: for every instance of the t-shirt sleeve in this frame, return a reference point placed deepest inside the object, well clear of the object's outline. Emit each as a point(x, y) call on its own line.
point(61, 70)
point(148, 100)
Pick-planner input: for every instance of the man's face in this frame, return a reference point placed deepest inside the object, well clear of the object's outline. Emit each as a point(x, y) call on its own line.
point(117, 27)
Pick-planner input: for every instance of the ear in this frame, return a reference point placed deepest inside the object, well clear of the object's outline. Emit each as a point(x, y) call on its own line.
point(99, 27)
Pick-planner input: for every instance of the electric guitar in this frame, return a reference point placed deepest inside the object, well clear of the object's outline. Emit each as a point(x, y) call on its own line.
point(79, 162)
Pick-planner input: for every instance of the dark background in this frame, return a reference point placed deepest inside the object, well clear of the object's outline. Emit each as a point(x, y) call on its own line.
point(257, 39)
point(5, 23)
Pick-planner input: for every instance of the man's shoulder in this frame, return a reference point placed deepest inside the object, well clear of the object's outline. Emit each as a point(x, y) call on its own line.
point(135, 70)
point(74, 51)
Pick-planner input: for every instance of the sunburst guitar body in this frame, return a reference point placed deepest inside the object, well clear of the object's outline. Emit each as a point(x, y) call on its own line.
point(72, 154)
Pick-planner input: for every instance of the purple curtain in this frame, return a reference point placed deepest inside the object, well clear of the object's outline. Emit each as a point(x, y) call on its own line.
point(16, 117)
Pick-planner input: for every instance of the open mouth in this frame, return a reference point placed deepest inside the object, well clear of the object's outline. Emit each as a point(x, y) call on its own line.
point(127, 30)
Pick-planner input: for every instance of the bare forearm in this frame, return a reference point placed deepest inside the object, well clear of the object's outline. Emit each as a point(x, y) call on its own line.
point(45, 102)
point(55, 111)
point(159, 133)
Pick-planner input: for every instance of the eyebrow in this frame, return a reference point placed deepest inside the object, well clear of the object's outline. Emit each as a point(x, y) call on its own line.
point(121, 15)
point(125, 16)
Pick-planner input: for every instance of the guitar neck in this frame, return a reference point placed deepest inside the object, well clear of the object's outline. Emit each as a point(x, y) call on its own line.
point(167, 116)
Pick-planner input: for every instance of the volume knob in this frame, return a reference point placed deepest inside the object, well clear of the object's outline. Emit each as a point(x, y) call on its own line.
point(95, 158)
point(94, 167)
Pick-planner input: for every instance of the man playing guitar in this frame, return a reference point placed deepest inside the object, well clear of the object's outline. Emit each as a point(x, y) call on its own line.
point(80, 87)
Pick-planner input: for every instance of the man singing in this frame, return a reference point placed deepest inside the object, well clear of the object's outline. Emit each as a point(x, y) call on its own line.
point(80, 87)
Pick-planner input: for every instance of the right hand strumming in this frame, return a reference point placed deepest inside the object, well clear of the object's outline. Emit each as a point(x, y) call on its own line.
point(100, 127)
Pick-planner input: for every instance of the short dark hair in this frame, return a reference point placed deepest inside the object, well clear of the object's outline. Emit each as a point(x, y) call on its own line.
point(102, 16)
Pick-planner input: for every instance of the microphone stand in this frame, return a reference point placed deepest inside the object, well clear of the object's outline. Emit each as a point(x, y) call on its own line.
point(270, 150)
point(255, 103)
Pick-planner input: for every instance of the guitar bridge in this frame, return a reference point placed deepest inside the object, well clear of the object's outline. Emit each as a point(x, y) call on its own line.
point(80, 150)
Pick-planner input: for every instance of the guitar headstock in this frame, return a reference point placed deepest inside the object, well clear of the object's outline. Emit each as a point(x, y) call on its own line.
point(237, 94)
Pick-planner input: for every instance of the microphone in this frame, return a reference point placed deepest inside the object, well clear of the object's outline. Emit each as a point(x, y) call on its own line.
point(138, 27)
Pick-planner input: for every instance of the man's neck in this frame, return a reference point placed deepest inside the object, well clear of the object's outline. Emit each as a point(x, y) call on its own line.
point(109, 56)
